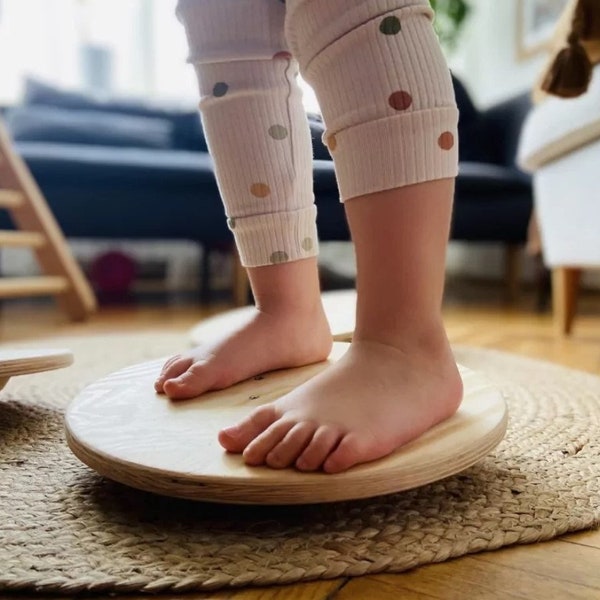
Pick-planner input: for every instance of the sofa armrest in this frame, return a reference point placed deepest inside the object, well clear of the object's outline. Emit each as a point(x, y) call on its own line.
point(502, 127)
point(558, 127)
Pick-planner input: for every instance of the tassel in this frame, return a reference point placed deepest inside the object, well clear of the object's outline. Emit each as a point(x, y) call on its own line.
point(587, 20)
point(571, 72)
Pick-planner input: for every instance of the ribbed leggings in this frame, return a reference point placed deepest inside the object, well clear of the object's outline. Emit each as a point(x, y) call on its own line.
point(383, 87)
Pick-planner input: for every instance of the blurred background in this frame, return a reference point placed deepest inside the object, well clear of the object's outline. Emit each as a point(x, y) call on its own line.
point(135, 51)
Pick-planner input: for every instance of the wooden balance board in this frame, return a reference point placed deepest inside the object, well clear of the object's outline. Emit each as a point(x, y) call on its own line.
point(125, 431)
point(340, 308)
point(25, 362)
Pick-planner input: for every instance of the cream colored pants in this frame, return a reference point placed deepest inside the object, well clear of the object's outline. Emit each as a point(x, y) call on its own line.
point(383, 86)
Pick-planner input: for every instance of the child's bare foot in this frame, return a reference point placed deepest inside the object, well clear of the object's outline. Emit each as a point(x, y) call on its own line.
point(269, 341)
point(372, 401)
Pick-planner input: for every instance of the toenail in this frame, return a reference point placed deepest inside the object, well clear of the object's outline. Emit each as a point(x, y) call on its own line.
point(231, 431)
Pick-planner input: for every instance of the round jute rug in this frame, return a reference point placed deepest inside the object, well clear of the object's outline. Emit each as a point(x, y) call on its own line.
point(65, 529)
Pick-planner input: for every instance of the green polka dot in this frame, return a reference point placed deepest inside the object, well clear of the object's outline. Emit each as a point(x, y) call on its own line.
point(390, 26)
point(278, 132)
point(220, 89)
point(279, 257)
point(231, 223)
point(307, 244)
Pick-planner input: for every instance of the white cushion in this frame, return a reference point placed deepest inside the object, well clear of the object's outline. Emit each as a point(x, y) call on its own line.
point(559, 126)
point(567, 199)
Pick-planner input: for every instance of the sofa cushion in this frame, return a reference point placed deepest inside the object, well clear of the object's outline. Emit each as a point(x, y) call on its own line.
point(49, 124)
point(475, 180)
point(139, 193)
point(187, 131)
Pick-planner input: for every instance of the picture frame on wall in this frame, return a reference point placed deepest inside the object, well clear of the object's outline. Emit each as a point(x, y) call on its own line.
point(536, 20)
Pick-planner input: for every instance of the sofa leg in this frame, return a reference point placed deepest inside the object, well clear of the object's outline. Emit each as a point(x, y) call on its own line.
point(240, 284)
point(565, 288)
point(512, 271)
point(205, 274)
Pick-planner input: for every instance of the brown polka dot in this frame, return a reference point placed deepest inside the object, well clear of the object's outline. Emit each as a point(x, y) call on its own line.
point(446, 141)
point(400, 100)
point(332, 142)
point(279, 257)
point(231, 223)
point(278, 132)
point(260, 190)
point(308, 244)
point(283, 55)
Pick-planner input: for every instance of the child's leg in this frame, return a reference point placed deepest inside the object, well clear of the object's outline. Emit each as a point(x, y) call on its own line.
point(389, 106)
point(258, 135)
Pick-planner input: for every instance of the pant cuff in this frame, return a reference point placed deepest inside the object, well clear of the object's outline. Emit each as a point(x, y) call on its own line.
point(395, 152)
point(276, 238)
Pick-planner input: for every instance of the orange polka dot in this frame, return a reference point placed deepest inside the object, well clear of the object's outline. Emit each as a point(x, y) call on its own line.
point(400, 100)
point(284, 55)
point(260, 190)
point(332, 143)
point(446, 141)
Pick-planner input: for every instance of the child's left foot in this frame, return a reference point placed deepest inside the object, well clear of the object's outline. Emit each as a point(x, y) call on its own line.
point(375, 399)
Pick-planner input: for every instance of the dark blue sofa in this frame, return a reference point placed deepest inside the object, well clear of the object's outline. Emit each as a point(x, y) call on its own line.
point(129, 171)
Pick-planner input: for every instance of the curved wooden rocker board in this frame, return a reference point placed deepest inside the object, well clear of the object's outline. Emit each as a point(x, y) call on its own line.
point(25, 362)
point(340, 308)
point(125, 431)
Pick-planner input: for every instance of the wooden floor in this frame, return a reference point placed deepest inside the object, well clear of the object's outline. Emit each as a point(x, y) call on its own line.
point(563, 569)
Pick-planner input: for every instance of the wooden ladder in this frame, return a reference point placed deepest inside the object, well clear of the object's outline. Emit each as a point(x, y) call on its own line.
point(36, 228)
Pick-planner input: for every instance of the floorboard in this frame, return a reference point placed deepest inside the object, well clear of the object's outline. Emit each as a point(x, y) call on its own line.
point(476, 316)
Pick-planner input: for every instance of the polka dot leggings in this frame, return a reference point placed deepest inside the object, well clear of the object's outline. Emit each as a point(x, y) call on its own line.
point(382, 84)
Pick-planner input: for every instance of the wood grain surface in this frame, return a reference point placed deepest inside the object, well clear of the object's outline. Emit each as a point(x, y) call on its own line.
point(124, 430)
point(23, 362)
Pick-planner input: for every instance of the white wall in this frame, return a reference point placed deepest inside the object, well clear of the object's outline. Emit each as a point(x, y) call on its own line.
point(43, 38)
point(487, 58)
point(147, 43)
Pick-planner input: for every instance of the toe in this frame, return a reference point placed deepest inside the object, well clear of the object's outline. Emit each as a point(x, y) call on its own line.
point(195, 380)
point(257, 450)
point(291, 446)
point(319, 448)
point(351, 451)
point(236, 438)
point(174, 367)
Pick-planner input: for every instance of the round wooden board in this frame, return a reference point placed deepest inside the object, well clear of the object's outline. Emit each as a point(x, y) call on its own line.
point(25, 362)
point(122, 429)
point(340, 308)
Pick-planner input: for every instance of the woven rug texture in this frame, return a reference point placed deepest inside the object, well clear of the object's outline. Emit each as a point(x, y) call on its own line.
point(64, 529)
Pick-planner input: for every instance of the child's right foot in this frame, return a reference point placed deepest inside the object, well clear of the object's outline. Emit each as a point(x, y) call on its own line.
point(269, 341)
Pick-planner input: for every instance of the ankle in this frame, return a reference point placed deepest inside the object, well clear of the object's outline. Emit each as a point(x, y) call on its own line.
point(289, 289)
point(412, 336)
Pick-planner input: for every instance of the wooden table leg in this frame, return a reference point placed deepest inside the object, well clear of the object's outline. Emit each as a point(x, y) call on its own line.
point(565, 288)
